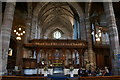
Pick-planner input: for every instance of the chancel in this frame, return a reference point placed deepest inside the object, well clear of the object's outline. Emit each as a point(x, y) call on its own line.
point(60, 40)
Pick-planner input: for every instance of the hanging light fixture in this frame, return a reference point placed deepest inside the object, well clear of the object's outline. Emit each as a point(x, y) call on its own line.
point(19, 31)
point(16, 33)
point(98, 35)
point(24, 32)
point(14, 30)
point(18, 38)
point(21, 34)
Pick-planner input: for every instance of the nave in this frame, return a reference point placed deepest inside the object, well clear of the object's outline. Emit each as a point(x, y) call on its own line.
point(63, 40)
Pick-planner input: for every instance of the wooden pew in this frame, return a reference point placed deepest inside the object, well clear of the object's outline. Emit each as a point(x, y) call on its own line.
point(23, 78)
point(96, 78)
point(75, 78)
point(101, 78)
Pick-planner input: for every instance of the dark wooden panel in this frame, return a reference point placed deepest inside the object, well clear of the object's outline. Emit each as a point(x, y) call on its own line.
point(29, 63)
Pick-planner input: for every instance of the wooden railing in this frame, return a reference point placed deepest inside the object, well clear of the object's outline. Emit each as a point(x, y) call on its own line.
point(51, 43)
point(22, 78)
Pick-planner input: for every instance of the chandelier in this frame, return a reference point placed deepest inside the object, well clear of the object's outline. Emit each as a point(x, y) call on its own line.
point(98, 34)
point(19, 31)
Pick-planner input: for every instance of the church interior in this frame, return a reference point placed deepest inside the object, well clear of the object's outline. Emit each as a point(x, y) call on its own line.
point(47, 39)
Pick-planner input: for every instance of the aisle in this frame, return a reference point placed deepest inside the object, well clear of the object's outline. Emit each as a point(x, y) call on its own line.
point(58, 77)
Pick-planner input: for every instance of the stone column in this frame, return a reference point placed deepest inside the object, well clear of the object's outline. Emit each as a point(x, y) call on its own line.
point(21, 51)
point(27, 30)
point(34, 28)
point(80, 58)
point(0, 39)
point(86, 60)
point(113, 36)
point(28, 27)
point(83, 29)
point(28, 23)
point(19, 55)
point(6, 32)
point(91, 54)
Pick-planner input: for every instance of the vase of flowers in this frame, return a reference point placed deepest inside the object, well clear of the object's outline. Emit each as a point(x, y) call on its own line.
point(45, 70)
point(71, 71)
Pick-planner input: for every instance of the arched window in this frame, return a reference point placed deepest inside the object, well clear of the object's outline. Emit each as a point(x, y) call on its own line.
point(57, 34)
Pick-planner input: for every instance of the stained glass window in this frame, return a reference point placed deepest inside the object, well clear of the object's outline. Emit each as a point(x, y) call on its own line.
point(57, 34)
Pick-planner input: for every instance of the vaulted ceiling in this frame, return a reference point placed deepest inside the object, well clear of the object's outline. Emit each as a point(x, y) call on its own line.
point(56, 13)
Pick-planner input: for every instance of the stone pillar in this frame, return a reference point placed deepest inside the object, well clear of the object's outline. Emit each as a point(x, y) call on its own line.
point(83, 29)
point(28, 28)
point(6, 32)
point(19, 55)
point(86, 60)
point(80, 57)
point(113, 36)
point(21, 51)
point(34, 28)
point(0, 39)
point(91, 54)
point(28, 23)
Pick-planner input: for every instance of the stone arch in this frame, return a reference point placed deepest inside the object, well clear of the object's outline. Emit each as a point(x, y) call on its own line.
point(41, 6)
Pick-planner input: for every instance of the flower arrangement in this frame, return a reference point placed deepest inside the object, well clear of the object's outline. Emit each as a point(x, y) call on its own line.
point(45, 68)
point(71, 68)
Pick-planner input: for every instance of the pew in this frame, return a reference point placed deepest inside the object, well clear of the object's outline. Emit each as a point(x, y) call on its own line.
point(96, 78)
point(101, 78)
point(23, 78)
point(75, 78)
